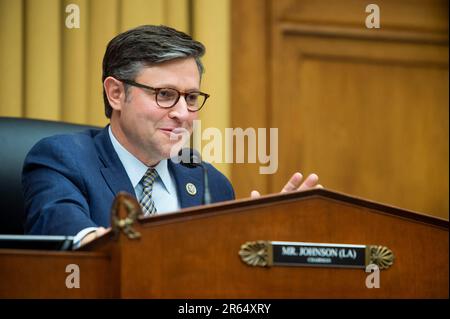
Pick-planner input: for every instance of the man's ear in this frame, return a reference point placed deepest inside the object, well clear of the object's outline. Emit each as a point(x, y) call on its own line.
point(115, 92)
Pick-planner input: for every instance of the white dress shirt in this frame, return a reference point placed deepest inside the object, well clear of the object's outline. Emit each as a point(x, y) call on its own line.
point(164, 191)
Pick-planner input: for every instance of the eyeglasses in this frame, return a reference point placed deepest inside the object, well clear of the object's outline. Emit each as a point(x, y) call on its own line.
point(168, 97)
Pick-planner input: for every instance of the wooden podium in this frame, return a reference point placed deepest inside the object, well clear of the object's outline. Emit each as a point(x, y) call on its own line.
point(195, 253)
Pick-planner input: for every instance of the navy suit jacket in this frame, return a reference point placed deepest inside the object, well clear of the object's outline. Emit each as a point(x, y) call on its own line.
point(70, 181)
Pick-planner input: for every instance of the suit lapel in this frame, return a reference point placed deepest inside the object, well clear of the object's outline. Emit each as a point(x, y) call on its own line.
point(117, 179)
point(185, 176)
point(113, 171)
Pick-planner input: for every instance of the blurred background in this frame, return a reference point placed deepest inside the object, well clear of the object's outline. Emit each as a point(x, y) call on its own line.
point(365, 109)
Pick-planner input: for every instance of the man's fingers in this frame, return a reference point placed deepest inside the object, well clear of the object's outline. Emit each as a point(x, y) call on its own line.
point(255, 194)
point(100, 231)
point(310, 182)
point(293, 184)
point(88, 238)
point(93, 235)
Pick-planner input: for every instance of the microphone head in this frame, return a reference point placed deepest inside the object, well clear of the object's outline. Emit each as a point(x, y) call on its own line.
point(189, 157)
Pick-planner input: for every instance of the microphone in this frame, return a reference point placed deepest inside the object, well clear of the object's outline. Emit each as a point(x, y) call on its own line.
point(191, 158)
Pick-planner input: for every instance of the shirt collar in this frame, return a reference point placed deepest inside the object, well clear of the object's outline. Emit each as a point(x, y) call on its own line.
point(135, 168)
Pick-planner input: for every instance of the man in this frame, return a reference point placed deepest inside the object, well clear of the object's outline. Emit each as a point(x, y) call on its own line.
point(151, 89)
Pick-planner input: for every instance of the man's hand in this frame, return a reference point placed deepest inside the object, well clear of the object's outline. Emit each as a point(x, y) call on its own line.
point(93, 235)
point(295, 184)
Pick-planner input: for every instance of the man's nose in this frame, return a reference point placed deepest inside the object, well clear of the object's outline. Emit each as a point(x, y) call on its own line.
point(180, 110)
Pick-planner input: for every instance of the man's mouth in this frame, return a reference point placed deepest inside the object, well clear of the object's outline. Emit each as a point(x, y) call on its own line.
point(176, 133)
point(174, 130)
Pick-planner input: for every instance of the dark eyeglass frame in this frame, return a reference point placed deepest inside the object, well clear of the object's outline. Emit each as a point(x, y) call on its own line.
point(156, 90)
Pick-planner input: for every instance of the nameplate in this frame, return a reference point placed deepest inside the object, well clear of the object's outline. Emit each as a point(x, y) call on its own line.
point(281, 253)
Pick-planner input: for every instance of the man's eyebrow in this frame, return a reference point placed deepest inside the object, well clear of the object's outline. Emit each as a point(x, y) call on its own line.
point(171, 86)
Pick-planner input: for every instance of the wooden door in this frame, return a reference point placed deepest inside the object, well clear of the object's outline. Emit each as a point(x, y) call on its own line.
point(365, 109)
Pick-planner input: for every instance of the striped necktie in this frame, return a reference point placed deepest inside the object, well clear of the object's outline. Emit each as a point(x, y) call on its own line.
point(146, 200)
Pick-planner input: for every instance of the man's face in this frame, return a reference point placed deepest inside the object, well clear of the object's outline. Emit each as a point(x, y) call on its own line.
point(143, 127)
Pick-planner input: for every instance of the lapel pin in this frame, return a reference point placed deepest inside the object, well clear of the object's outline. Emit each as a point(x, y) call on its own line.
point(191, 189)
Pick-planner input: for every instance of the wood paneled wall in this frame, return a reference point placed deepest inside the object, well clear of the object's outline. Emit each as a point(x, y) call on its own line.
point(365, 109)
